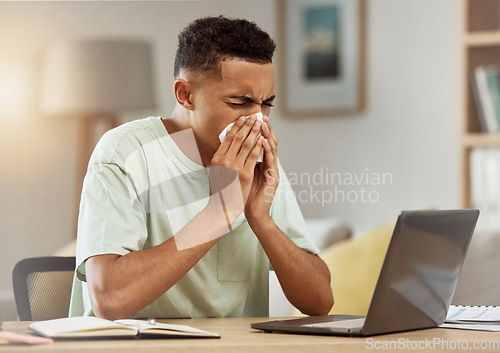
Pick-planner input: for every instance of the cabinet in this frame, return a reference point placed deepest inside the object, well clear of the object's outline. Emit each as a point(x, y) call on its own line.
point(481, 46)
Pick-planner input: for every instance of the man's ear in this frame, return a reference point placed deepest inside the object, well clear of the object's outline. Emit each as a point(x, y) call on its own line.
point(183, 93)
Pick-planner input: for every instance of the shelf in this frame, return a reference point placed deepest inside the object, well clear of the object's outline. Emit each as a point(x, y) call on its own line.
point(471, 140)
point(480, 39)
point(482, 15)
point(480, 47)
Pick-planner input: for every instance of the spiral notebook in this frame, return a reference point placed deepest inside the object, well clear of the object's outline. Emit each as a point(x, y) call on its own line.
point(468, 317)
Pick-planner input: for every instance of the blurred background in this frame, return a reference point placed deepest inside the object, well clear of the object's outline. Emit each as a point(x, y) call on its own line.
point(409, 128)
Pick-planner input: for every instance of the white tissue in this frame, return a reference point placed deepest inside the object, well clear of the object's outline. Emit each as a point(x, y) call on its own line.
point(226, 130)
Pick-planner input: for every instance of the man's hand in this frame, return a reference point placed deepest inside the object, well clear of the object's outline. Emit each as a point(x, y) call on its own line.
point(266, 178)
point(233, 165)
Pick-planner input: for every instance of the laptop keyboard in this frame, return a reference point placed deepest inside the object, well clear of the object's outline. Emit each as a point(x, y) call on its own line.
point(348, 324)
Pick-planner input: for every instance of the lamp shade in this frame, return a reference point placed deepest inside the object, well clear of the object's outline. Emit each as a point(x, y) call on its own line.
point(97, 76)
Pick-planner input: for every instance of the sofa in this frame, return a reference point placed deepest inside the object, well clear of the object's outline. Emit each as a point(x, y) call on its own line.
point(355, 265)
point(479, 281)
point(324, 232)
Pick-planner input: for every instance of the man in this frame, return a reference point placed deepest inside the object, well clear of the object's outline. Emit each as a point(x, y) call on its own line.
point(162, 231)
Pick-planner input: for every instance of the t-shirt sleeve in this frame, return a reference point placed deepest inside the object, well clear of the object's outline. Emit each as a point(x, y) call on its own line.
point(287, 215)
point(109, 222)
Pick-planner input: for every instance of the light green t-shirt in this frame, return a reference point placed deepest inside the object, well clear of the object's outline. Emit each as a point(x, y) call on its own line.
point(140, 190)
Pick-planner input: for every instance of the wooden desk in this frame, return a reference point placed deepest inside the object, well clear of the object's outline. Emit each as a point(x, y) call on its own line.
point(238, 337)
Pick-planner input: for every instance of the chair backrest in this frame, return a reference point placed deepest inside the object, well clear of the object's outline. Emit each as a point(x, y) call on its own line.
point(42, 287)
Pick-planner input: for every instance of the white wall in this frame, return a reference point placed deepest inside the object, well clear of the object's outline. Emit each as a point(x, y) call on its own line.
point(412, 124)
point(410, 128)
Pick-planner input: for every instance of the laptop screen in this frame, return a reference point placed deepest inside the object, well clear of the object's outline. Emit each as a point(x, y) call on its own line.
point(420, 271)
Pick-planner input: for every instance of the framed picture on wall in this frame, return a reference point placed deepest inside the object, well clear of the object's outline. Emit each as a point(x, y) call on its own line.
point(323, 61)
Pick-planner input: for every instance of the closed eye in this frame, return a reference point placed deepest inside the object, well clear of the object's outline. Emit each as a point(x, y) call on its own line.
point(245, 100)
point(263, 103)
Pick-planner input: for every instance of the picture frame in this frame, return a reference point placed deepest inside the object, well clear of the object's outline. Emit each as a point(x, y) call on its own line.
point(323, 59)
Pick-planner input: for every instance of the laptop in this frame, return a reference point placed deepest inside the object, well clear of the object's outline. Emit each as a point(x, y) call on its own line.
point(416, 283)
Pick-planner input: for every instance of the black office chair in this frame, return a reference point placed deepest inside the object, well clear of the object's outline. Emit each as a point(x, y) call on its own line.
point(42, 287)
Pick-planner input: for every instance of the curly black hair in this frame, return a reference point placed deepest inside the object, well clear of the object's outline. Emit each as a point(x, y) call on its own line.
point(207, 42)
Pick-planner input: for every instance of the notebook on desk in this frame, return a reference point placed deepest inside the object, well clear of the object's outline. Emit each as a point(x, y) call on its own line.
point(416, 283)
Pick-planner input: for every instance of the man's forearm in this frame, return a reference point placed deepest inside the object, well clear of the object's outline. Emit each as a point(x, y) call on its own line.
point(304, 277)
point(120, 286)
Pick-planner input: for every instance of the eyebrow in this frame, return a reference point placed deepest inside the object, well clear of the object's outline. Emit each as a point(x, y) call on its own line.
point(251, 100)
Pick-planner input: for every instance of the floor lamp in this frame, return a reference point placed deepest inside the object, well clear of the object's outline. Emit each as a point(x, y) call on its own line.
point(94, 81)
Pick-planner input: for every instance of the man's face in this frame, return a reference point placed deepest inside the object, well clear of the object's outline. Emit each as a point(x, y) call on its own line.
point(245, 88)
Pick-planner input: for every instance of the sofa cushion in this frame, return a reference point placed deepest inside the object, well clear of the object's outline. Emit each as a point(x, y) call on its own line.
point(355, 265)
